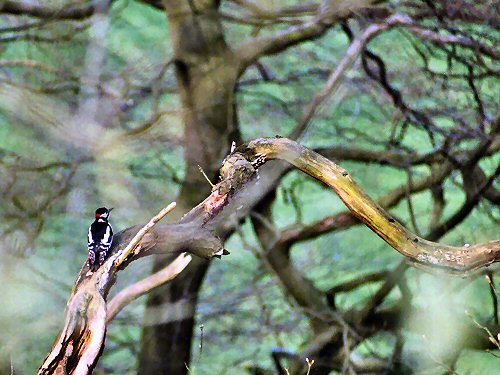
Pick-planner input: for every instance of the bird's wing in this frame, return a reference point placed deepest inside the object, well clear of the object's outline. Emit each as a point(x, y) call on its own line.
point(108, 236)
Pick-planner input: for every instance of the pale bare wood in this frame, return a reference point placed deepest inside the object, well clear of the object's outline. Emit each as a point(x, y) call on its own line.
point(456, 259)
point(134, 243)
point(81, 340)
point(147, 284)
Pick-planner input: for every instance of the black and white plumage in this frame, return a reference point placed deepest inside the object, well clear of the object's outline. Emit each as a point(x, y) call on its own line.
point(100, 238)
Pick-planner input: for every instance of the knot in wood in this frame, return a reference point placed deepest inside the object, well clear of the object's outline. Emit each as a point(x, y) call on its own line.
point(235, 171)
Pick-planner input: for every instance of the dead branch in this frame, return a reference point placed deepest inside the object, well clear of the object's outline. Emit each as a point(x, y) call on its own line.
point(134, 291)
point(80, 342)
point(133, 246)
point(457, 259)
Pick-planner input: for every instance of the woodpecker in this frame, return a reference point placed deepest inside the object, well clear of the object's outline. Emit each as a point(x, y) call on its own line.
point(100, 238)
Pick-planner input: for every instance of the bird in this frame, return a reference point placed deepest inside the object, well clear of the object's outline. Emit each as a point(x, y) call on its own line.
point(100, 238)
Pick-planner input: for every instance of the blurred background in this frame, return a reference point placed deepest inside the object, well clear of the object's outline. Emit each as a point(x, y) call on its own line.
point(116, 103)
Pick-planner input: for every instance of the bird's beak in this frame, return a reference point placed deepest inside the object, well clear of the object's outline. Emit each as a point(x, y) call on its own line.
point(111, 209)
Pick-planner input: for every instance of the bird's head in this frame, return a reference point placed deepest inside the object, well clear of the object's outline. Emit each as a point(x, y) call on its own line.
point(102, 213)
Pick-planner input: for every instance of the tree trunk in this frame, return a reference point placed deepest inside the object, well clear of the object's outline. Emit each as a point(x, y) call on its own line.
point(206, 75)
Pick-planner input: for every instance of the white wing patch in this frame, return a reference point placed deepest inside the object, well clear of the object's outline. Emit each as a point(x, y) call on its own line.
point(107, 236)
point(90, 239)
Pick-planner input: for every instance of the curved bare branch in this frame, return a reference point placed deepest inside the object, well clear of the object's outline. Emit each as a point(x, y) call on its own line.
point(80, 342)
point(134, 291)
point(458, 259)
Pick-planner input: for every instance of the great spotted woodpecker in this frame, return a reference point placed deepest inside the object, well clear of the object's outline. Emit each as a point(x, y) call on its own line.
point(100, 238)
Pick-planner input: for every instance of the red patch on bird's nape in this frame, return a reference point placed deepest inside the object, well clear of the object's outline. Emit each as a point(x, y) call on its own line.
point(97, 215)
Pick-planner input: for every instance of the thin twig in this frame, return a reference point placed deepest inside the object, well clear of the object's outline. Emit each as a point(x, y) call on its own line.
point(205, 175)
point(134, 291)
point(138, 237)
